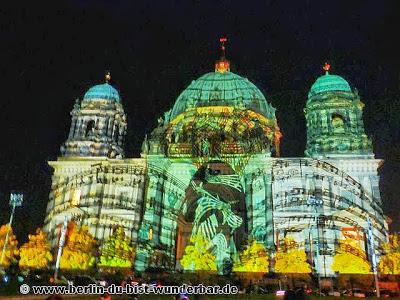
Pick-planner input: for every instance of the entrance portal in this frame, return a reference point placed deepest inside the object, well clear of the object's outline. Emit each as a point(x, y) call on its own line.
point(215, 221)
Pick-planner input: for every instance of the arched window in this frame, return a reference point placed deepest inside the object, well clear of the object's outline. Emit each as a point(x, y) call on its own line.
point(116, 134)
point(89, 128)
point(338, 123)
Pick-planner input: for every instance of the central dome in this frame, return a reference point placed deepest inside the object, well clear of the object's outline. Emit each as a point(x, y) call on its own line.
point(222, 89)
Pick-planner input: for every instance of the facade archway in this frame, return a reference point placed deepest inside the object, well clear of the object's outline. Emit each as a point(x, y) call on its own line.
point(211, 195)
point(215, 212)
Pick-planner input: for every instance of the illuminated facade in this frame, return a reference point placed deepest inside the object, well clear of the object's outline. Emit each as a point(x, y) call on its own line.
point(212, 168)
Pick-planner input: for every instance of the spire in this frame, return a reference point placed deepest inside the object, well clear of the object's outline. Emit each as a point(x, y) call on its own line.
point(222, 65)
point(223, 40)
point(107, 76)
point(326, 67)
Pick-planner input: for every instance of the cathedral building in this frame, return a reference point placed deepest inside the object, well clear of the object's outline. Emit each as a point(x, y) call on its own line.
point(212, 167)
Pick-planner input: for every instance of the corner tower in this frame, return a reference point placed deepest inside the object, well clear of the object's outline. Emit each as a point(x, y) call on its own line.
point(334, 119)
point(98, 125)
point(91, 184)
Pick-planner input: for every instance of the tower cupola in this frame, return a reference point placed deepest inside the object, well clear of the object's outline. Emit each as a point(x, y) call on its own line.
point(98, 124)
point(334, 119)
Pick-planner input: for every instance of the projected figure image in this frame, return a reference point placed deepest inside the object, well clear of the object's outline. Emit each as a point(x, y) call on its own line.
point(216, 221)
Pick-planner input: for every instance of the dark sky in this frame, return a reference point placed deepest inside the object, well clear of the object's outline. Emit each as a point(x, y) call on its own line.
point(52, 52)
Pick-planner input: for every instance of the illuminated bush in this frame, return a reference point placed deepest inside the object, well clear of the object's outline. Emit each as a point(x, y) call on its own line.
point(198, 256)
point(253, 258)
point(390, 262)
point(79, 249)
point(35, 254)
point(350, 258)
point(117, 251)
point(291, 259)
point(11, 250)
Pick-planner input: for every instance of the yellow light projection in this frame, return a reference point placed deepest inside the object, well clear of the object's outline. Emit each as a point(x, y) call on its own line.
point(76, 197)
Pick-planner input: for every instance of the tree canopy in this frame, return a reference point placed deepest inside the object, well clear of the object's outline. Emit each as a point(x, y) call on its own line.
point(117, 250)
point(198, 256)
point(79, 249)
point(389, 263)
point(350, 258)
point(35, 254)
point(253, 258)
point(291, 258)
point(11, 250)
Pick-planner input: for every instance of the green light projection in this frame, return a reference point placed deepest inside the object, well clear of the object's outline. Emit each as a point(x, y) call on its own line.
point(207, 192)
point(334, 119)
point(220, 122)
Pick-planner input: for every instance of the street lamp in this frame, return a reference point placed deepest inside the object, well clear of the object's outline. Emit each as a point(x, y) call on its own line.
point(371, 248)
point(61, 242)
point(15, 201)
point(316, 203)
point(60, 246)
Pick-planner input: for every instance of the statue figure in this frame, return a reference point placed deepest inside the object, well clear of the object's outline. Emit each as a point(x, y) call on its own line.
point(167, 115)
point(205, 147)
point(259, 233)
point(77, 105)
point(144, 232)
point(176, 140)
point(160, 121)
point(145, 145)
point(172, 199)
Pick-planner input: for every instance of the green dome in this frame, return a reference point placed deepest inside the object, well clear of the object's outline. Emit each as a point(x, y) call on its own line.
point(103, 91)
point(329, 83)
point(222, 89)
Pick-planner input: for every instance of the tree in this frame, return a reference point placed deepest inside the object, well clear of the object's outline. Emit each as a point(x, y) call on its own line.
point(291, 259)
point(79, 248)
point(350, 258)
point(35, 254)
point(389, 263)
point(197, 255)
point(117, 251)
point(253, 258)
point(11, 250)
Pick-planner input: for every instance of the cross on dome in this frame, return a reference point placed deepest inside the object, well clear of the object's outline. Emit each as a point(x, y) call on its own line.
point(108, 76)
point(326, 67)
point(223, 40)
point(222, 65)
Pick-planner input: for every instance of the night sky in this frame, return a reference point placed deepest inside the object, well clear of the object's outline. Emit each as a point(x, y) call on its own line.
point(52, 52)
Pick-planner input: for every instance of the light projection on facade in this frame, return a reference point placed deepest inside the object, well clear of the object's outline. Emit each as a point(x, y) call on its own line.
point(210, 175)
point(207, 224)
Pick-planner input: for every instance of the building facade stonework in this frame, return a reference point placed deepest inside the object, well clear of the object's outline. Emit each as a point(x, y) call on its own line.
point(212, 167)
